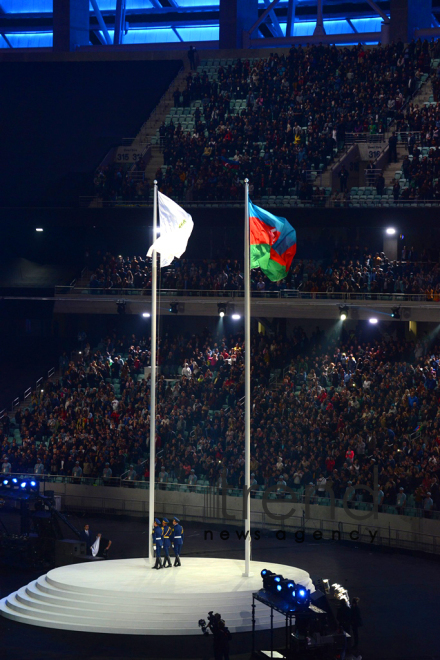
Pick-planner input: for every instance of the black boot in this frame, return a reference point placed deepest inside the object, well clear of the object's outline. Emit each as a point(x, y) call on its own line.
point(158, 563)
point(176, 561)
point(166, 562)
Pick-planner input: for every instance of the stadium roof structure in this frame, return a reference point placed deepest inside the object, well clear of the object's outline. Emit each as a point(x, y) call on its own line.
point(173, 24)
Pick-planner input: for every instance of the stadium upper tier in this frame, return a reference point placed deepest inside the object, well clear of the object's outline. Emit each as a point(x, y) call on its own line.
point(301, 125)
point(29, 23)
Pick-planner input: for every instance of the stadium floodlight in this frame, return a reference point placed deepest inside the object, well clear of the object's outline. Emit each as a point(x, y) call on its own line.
point(236, 317)
point(39, 229)
point(146, 315)
point(390, 231)
point(373, 321)
point(221, 309)
point(343, 312)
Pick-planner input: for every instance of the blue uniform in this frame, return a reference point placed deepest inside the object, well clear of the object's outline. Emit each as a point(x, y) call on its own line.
point(157, 539)
point(166, 536)
point(178, 538)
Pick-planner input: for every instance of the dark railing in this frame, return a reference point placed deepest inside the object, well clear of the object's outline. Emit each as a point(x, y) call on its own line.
point(263, 295)
point(28, 392)
point(272, 201)
point(216, 491)
point(370, 138)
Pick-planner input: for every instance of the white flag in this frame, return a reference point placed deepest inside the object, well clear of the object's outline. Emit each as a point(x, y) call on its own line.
point(176, 226)
point(95, 547)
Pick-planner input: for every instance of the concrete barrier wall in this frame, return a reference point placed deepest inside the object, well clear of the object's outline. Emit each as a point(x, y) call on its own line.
point(339, 524)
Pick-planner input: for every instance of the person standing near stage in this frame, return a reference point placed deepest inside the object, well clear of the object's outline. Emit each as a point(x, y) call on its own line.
point(158, 542)
point(177, 539)
point(167, 532)
point(356, 621)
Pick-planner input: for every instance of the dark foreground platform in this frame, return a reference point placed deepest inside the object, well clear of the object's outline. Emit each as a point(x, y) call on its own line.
point(399, 599)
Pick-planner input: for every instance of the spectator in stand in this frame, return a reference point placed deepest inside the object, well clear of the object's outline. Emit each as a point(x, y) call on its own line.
point(39, 468)
point(428, 505)
point(392, 146)
point(6, 466)
point(401, 501)
point(380, 184)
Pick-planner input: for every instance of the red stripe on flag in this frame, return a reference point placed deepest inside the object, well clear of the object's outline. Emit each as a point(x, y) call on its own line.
point(262, 233)
point(284, 259)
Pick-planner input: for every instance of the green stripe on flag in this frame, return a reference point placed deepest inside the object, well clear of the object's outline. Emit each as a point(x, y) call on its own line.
point(260, 258)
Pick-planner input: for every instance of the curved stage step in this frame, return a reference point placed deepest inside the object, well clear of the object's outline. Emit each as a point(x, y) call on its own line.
point(128, 597)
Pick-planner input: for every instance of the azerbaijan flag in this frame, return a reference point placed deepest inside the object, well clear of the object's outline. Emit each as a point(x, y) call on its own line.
point(272, 243)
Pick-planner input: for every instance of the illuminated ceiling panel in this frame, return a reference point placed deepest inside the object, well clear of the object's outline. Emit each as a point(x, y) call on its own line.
point(174, 21)
point(199, 33)
point(110, 5)
point(27, 6)
point(371, 24)
point(29, 40)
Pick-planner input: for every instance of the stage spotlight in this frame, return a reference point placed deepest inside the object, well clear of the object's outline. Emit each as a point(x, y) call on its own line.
point(146, 315)
point(5, 482)
point(174, 308)
point(23, 484)
point(236, 317)
point(120, 304)
point(38, 228)
point(287, 590)
point(15, 480)
point(395, 312)
point(343, 312)
point(390, 231)
point(267, 578)
point(303, 597)
point(33, 484)
point(373, 321)
point(221, 309)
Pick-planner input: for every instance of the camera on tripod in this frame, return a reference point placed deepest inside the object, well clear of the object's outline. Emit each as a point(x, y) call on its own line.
point(204, 626)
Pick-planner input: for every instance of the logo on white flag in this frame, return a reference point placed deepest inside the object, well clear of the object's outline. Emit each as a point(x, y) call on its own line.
point(176, 226)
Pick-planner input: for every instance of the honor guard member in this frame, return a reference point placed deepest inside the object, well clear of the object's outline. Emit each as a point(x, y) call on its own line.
point(158, 542)
point(177, 540)
point(167, 533)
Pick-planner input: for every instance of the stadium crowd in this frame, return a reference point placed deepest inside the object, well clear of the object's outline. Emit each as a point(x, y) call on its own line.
point(298, 109)
point(292, 122)
point(342, 407)
point(351, 270)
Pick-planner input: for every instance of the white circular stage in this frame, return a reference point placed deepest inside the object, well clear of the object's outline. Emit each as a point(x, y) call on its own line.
point(126, 596)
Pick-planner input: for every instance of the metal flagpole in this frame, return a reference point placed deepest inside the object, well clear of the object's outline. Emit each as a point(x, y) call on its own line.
point(247, 381)
point(153, 380)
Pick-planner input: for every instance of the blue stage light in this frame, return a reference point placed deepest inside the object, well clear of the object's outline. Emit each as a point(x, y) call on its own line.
point(23, 484)
point(15, 481)
point(5, 482)
point(279, 587)
point(264, 572)
point(33, 484)
point(291, 585)
point(301, 593)
point(277, 578)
